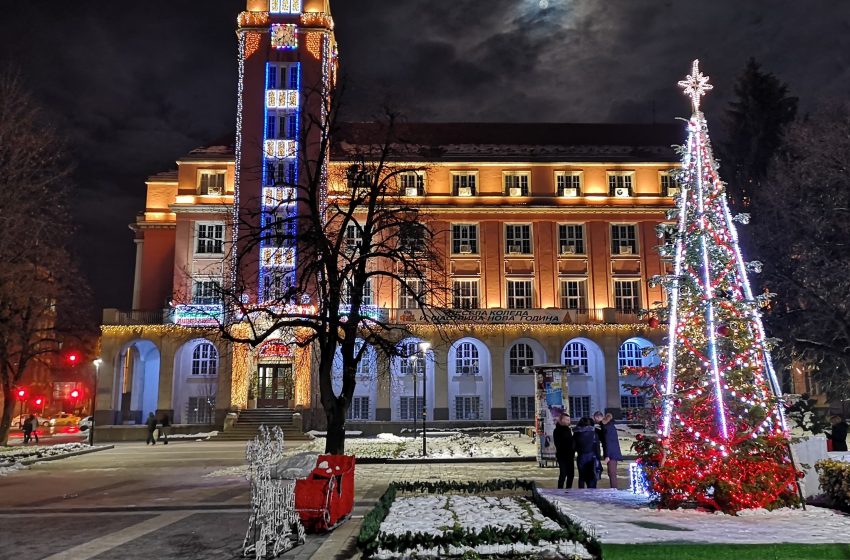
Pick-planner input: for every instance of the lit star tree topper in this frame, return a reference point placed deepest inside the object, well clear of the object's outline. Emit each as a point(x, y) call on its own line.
point(722, 442)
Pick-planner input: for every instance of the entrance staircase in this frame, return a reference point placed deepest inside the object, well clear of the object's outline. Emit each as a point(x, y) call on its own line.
point(249, 422)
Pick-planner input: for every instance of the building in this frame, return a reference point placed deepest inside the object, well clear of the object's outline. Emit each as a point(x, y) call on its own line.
point(550, 235)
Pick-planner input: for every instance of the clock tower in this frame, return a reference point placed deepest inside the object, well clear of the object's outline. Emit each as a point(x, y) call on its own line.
point(287, 65)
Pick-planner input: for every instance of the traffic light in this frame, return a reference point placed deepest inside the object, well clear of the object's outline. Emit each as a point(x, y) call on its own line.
point(38, 401)
point(22, 394)
point(72, 357)
point(75, 394)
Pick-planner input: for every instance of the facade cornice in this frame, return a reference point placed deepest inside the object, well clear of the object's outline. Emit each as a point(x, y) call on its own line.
point(200, 208)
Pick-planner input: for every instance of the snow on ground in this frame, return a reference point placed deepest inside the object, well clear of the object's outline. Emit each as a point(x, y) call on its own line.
point(198, 436)
point(620, 517)
point(389, 446)
point(11, 457)
point(438, 515)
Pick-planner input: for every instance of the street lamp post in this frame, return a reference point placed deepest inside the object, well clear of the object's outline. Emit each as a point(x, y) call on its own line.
point(414, 365)
point(424, 346)
point(96, 363)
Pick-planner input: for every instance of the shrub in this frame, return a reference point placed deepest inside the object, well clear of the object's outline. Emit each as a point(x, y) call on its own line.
point(835, 481)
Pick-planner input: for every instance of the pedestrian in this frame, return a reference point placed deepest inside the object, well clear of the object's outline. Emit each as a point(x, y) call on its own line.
point(839, 433)
point(587, 452)
point(163, 428)
point(611, 453)
point(151, 424)
point(26, 426)
point(33, 422)
point(565, 451)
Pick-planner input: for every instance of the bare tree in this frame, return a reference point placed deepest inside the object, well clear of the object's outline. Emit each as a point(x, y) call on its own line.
point(801, 235)
point(40, 292)
point(327, 251)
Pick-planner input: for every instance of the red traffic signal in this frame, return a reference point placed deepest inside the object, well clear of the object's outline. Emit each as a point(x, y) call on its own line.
point(75, 394)
point(72, 357)
point(38, 401)
point(22, 393)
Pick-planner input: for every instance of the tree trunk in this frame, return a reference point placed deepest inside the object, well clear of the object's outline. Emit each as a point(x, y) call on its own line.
point(335, 440)
point(8, 410)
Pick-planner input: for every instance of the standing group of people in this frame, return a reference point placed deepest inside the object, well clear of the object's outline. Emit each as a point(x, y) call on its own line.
point(580, 446)
point(155, 424)
point(30, 428)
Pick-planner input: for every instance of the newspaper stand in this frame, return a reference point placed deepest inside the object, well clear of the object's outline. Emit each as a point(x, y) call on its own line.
point(550, 399)
point(326, 497)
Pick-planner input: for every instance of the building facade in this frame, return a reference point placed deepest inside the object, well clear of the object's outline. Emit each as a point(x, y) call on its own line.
point(548, 233)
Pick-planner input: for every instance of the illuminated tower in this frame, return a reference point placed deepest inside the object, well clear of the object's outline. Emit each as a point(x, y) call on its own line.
point(287, 58)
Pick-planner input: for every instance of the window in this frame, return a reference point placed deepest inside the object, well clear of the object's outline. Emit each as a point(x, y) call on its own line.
point(271, 126)
point(623, 239)
point(519, 294)
point(522, 407)
point(277, 286)
point(520, 357)
point(620, 183)
point(280, 173)
point(291, 126)
point(573, 294)
point(467, 408)
point(627, 295)
point(412, 183)
point(284, 6)
point(669, 184)
point(463, 183)
point(465, 239)
point(630, 355)
point(575, 354)
point(516, 183)
point(211, 181)
point(412, 237)
point(465, 294)
point(632, 401)
point(210, 239)
point(411, 360)
point(518, 239)
point(568, 183)
point(281, 228)
point(571, 239)
point(407, 296)
point(347, 289)
point(353, 239)
point(201, 410)
point(204, 359)
point(579, 406)
point(366, 365)
point(206, 292)
point(358, 409)
point(466, 359)
point(410, 409)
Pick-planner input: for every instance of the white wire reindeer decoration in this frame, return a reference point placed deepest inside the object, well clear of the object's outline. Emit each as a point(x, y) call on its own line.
point(274, 526)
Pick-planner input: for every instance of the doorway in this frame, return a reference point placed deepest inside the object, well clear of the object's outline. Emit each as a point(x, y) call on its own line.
point(275, 386)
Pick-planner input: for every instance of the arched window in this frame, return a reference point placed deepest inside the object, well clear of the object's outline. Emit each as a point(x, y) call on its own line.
point(366, 365)
point(629, 356)
point(411, 359)
point(575, 354)
point(204, 359)
point(520, 357)
point(466, 359)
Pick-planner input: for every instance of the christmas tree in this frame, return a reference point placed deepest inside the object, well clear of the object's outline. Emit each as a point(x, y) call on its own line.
point(722, 441)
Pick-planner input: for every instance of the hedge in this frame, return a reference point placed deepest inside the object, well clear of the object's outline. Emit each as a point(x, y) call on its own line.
point(369, 542)
point(835, 481)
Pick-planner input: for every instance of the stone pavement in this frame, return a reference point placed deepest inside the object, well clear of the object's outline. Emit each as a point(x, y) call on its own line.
point(136, 502)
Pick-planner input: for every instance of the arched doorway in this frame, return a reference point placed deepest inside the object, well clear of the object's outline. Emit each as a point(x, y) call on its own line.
point(519, 385)
point(470, 380)
point(136, 390)
point(635, 352)
point(586, 382)
point(196, 367)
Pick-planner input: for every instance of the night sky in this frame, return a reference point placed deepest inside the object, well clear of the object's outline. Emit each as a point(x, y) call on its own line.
point(134, 85)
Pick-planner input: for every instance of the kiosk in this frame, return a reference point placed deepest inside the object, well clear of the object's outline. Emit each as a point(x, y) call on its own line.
point(550, 400)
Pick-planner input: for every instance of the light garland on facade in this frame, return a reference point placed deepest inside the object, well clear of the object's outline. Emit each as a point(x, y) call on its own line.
point(252, 19)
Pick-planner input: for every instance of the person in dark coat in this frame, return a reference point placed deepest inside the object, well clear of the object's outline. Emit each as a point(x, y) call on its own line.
point(610, 445)
point(587, 452)
point(839, 433)
point(165, 423)
point(27, 428)
point(151, 424)
point(565, 451)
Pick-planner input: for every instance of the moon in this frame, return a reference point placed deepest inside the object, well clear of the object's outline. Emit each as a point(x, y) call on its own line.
point(544, 4)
